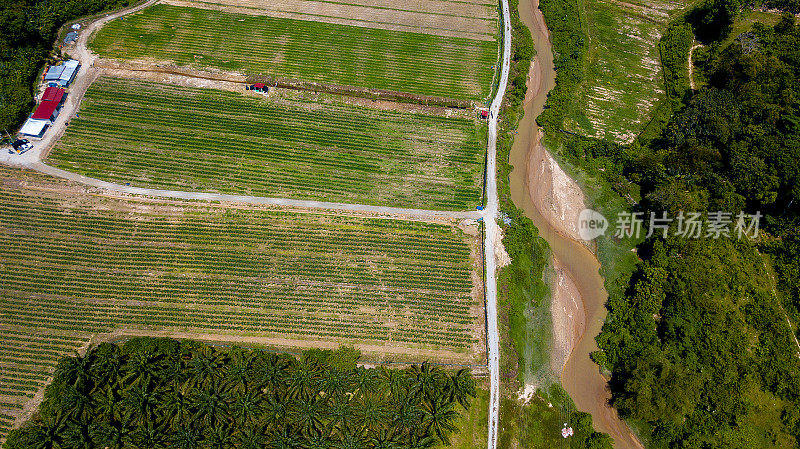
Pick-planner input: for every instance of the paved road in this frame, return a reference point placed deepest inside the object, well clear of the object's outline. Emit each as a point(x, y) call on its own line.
point(206, 196)
point(492, 231)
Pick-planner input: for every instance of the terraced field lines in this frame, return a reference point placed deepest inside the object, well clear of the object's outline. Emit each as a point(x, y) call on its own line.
point(305, 50)
point(68, 266)
point(623, 82)
point(161, 136)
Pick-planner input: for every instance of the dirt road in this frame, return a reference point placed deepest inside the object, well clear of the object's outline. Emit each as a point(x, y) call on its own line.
point(207, 196)
point(490, 241)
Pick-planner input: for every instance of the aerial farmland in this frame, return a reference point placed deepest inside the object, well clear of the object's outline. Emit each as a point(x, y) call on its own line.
point(166, 136)
point(363, 114)
point(373, 46)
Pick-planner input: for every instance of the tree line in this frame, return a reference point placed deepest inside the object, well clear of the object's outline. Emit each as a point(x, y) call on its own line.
point(156, 393)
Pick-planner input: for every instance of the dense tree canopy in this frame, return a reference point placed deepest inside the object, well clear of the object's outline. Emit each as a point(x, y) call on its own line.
point(699, 344)
point(158, 393)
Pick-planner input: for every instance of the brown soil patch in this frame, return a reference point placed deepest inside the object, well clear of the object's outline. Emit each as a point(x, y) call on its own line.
point(557, 196)
point(371, 352)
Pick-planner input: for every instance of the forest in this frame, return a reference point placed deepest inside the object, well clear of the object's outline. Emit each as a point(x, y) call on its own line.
point(700, 341)
point(28, 29)
point(158, 393)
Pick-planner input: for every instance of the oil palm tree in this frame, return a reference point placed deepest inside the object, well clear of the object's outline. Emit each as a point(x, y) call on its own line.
point(150, 436)
point(220, 437)
point(48, 434)
point(206, 367)
point(427, 380)
point(366, 380)
point(211, 405)
point(106, 404)
point(142, 400)
point(106, 364)
point(186, 437)
point(462, 387)
point(246, 408)
point(341, 413)
point(372, 412)
point(439, 416)
point(238, 375)
point(142, 367)
point(407, 416)
point(252, 437)
point(302, 380)
point(77, 436)
point(334, 384)
point(284, 439)
point(111, 435)
point(307, 415)
point(176, 407)
point(386, 439)
point(395, 381)
point(75, 371)
point(275, 412)
point(76, 404)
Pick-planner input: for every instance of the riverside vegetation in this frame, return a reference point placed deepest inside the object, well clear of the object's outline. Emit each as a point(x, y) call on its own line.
point(158, 393)
point(699, 336)
point(522, 295)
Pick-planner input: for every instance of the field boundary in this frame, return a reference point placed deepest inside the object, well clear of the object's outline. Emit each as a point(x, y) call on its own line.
point(205, 196)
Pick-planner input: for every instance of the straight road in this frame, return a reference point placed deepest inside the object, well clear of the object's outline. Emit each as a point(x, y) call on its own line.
point(492, 232)
point(286, 202)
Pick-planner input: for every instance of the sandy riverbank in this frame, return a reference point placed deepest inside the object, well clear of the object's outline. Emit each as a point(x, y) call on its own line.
point(553, 201)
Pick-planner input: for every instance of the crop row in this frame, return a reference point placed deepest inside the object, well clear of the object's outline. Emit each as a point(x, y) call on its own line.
point(322, 52)
point(147, 134)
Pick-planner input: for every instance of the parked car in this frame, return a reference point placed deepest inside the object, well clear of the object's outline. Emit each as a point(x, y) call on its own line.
point(20, 146)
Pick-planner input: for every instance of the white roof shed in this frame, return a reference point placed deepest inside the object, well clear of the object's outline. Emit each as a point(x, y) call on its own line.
point(34, 128)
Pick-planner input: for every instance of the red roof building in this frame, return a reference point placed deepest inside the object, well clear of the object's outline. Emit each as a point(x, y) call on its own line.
point(484, 114)
point(259, 86)
point(51, 101)
point(53, 94)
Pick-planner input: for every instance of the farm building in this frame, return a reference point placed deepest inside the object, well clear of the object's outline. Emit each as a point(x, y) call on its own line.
point(71, 37)
point(63, 74)
point(50, 106)
point(34, 128)
point(54, 94)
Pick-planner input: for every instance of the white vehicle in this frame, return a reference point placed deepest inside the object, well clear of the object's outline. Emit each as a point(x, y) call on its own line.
point(20, 146)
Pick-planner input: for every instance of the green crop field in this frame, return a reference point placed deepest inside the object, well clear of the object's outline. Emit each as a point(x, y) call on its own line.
point(416, 63)
point(157, 135)
point(76, 265)
point(624, 80)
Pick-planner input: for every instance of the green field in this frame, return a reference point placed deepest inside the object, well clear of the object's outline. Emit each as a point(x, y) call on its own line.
point(157, 135)
point(416, 63)
point(624, 82)
point(74, 266)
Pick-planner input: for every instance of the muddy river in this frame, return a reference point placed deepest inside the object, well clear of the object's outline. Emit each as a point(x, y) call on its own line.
point(580, 376)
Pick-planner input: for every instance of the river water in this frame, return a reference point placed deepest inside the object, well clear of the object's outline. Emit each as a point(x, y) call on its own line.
point(581, 377)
